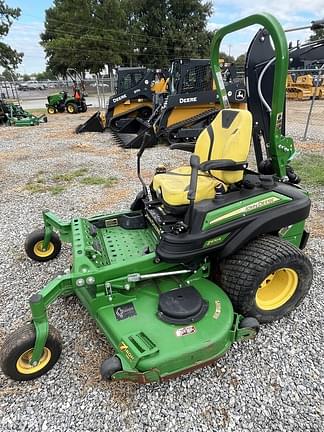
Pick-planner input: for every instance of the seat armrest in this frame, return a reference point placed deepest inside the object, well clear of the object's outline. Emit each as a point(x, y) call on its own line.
point(194, 163)
point(183, 146)
point(223, 165)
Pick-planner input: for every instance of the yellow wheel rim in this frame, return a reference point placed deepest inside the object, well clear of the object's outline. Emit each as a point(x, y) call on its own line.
point(40, 252)
point(70, 109)
point(51, 110)
point(23, 363)
point(277, 289)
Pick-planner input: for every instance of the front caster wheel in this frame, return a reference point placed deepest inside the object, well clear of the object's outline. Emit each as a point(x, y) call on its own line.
point(110, 366)
point(250, 323)
point(17, 351)
point(34, 246)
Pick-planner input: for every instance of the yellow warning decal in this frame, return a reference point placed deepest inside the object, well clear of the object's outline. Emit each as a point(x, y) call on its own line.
point(125, 349)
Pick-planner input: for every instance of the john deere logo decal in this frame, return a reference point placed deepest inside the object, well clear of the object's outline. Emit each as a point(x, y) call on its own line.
point(240, 95)
point(119, 98)
point(188, 100)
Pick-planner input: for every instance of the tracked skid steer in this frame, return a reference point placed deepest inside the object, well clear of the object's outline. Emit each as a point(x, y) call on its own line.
point(190, 104)
point(133, 99)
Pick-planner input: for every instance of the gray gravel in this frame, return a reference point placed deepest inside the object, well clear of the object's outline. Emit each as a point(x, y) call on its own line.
point(274, 383)
point(297, 113)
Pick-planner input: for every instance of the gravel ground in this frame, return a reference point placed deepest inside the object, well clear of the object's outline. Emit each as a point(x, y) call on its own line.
point(297, 112)
point(274, 383)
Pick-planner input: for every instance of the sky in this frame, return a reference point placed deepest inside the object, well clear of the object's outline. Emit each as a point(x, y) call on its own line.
point(24, 33)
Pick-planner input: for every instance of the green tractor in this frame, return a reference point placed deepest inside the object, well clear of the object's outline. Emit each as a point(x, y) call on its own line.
point(61, 102)
point(202, 257)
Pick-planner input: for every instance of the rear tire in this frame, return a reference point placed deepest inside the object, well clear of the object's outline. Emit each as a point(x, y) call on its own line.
point(266, 279)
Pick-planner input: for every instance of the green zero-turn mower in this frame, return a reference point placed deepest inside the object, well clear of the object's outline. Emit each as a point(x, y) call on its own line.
point(205, 254)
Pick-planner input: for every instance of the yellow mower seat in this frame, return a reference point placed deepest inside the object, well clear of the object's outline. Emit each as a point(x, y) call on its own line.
point(227, 137)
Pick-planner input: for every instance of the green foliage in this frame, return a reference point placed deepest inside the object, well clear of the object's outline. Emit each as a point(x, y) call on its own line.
point(9, 58)
point(83, 34)
point(106, 182)
point(318, 34)
point(87, 34)
point(43, 182)
point(71, 175)
point(26, 77)
point(47, 75)
point(227, 58)
point(240, 60)
point(8, 75)
point(310, 168)
point(168, 29)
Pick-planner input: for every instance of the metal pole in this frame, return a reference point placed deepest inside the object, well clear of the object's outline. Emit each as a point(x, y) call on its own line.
point(312, 103)
point(103, 93)
point(15, 89)
point(98, 94)
point(303, 70)
point(297, 28)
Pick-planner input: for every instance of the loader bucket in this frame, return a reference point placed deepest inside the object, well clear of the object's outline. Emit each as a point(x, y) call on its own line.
point(128, 125)
point(132, 136)
point(96, 123)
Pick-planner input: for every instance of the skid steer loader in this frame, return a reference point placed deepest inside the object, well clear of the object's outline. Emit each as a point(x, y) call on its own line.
point(191, 104)
point(133, 98)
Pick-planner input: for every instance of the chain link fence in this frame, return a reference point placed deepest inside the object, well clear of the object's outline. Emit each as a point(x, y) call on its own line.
point(98, 89)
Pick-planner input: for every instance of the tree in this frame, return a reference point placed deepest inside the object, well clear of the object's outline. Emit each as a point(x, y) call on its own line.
point(160, 31)
point(47, 75)
point(227, 58)
point(87, 34)
point(9, 57)
point(7, 75)
point(318, 34)
point(84, 34)
point(240, 60)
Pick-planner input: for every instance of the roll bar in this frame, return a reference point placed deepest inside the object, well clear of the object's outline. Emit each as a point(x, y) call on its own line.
point(282, 149)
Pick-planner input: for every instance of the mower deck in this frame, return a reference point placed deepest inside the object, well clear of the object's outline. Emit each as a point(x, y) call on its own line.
point(116, 277)
point(147, 343)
